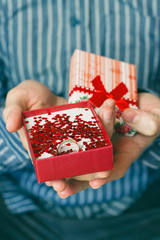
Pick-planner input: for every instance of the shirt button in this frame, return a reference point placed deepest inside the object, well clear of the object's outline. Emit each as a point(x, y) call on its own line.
point(74, 21)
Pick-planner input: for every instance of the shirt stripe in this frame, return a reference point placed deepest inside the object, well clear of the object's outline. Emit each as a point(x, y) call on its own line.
point(37, 44)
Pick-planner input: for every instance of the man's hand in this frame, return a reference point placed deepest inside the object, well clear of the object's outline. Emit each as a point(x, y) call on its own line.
point(146, 120)
point(28, 95)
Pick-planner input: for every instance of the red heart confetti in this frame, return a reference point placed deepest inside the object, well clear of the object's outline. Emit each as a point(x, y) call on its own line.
point(46, 136)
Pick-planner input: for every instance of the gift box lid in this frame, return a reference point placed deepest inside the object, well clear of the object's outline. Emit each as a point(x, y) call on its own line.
point(86, 66)
point(98, 78)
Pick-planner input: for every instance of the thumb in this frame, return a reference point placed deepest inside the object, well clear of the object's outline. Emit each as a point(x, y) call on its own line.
point(107, 115)
point(144, 122)
point(12, 116)
point(16, 103)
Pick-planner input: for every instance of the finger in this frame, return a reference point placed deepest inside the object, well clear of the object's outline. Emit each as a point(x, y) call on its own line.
point(122, 163)
point(91, 176)
point(59, 101)
point(23, 138)
point(145, 123)
point(73, 187)
point(58, 185)
point(85, 177)
point(12, 116)
point(147, 102)
point(98, 182)
point(107, 115)
point(123, 159)
point(16, 103)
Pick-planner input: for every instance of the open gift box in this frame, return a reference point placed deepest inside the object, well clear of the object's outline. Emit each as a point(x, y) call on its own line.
point(67, 141)
point(97, 78)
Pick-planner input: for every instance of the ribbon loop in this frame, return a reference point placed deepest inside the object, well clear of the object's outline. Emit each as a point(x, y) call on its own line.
point(100, 94)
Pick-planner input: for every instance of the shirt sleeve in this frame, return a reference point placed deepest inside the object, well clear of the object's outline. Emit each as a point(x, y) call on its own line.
point(151, 155)
point(13, 156)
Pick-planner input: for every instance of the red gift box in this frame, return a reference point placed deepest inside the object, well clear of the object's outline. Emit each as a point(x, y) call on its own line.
point(67, 141)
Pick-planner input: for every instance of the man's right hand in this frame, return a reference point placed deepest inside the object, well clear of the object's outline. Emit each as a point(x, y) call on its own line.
point(28, 95)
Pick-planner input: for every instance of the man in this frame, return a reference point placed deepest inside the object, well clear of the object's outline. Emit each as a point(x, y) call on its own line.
point(41, 50)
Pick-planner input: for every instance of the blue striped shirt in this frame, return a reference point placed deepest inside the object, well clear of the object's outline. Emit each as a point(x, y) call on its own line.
point(37, 39)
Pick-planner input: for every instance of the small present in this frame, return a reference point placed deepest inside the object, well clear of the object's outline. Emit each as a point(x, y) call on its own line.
point(67, 141)
point(97, 78)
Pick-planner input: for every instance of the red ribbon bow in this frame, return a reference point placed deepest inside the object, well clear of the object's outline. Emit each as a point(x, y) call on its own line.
point(100, 94)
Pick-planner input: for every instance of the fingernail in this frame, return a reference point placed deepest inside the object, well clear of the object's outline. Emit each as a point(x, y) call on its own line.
point(130, 116)
point(7, 121)
point(60, 194)
point(95, 185)
point(8, 116)
point(107, 115)
point(109, 102)
point(49, 184)
point(102, 175)
point(135, 119)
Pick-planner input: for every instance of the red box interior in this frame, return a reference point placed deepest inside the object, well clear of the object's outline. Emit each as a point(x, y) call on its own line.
point(74, 164)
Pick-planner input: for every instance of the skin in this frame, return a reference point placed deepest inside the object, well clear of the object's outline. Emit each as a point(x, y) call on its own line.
point(30, 95)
